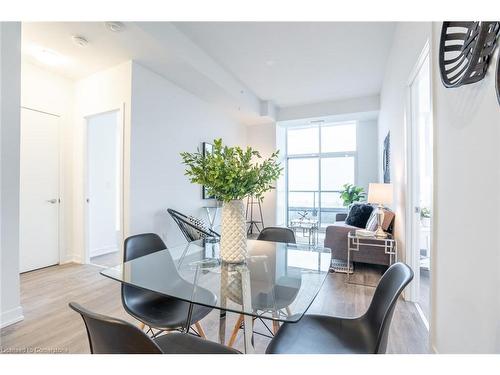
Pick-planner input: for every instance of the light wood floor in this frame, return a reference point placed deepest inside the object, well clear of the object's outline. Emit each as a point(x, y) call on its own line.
point(424, 294)
point(50, 325)
point(107, 260)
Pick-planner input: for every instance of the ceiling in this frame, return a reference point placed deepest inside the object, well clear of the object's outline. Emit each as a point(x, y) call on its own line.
point(105, 48)
point(296, 63)
point(286, 63)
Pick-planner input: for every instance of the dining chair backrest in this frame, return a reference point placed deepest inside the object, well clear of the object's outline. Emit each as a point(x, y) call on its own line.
point(142, 244)
point(136, 247)
point(379, 314)
point(109, 335)
point(190, 227)
point(277, 234)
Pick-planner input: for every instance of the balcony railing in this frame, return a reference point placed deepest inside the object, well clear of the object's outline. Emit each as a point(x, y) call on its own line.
point(324, 210)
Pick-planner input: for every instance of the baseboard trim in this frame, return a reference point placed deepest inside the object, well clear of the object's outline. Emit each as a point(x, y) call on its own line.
point(12, 316)
point(103, 251)
point(422, 316)
point(71, 259)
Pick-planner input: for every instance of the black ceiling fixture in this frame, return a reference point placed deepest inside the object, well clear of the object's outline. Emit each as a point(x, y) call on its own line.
point(465, 50)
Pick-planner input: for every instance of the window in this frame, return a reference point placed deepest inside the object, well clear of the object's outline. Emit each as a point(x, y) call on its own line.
point(320, 159)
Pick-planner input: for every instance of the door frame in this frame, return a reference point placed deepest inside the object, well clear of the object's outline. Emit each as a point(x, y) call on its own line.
point(121, 165)
point(412, 256)
point(61, 201)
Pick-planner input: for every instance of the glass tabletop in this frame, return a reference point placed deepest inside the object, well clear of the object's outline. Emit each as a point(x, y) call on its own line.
point(279, 281)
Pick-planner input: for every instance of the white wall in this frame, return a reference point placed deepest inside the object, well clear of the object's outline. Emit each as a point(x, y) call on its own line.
point(263, 139)
point(167, 120)
point(45, 91)
point(409, 41)
point(467, 219)
point(101, 92)
point(10, 87)
point(367, 153)
point(103, 174)
point(465, 278)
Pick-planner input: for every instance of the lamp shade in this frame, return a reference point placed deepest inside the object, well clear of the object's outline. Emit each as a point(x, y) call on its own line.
point(380, 193)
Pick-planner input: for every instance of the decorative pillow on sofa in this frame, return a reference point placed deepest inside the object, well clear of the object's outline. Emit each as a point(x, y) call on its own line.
point(388, 219)
point(372, 224)
point(359, 215)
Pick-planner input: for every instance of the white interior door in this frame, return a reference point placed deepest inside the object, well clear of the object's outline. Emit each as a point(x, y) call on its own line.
point(103, 183)
point(421, 181)
point(39, 190)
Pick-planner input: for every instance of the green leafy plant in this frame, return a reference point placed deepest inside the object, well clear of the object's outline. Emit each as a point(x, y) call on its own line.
point(351, 193)
point(425, 212)
point(230, 173)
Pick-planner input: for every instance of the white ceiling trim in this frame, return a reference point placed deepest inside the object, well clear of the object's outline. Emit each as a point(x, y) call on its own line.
point(367, 104)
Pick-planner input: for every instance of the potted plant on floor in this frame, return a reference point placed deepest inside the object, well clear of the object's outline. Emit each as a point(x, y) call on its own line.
point(230, 174)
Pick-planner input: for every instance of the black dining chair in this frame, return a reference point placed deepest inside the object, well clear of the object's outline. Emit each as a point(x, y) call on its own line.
point(109, 335)
point(153, 309)
point(280, 297)
point(277, 234)
point(191, 228)
point(367, 334)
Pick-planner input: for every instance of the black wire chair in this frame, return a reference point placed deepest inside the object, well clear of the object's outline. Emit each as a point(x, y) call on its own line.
point(191, 229)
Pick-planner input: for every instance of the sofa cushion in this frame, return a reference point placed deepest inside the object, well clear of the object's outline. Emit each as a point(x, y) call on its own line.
point(359, 215)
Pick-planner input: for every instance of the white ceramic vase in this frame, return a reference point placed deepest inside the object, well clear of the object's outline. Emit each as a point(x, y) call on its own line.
point(233, 243)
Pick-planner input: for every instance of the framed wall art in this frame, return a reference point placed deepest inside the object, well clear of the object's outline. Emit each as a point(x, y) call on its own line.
point(386, 158)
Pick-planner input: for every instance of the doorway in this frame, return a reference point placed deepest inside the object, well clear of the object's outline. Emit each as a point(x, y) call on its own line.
point(420, 181)
point(104, 188)
point(39, 190)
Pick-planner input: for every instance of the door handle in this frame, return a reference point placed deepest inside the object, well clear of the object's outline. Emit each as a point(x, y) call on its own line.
point(53, 201)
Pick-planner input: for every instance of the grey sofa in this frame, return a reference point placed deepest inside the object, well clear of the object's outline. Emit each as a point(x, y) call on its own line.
point(336, 240)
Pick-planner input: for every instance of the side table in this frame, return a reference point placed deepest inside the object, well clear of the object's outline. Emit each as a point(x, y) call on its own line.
point(354, 242)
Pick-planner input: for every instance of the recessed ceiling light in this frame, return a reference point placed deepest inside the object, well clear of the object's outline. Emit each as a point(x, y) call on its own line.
point(115, 27)
point(80, 40)
point(48, 56)
point(270, 62)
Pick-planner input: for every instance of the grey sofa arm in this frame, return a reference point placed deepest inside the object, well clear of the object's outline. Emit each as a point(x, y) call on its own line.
point(336, 239)
point(340, 216)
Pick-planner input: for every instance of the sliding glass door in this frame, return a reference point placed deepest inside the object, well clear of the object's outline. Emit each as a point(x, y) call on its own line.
point(320, 159)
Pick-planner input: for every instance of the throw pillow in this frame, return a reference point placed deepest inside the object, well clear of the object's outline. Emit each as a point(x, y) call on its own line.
point(388, 219)
point(371, 224)
point(195, 234)
point(359, 215)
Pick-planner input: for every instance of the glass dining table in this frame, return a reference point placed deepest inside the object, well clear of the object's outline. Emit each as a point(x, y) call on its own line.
point(278, 281)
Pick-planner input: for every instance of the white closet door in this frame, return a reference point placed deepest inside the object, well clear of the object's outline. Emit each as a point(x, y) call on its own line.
point(39, 193)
